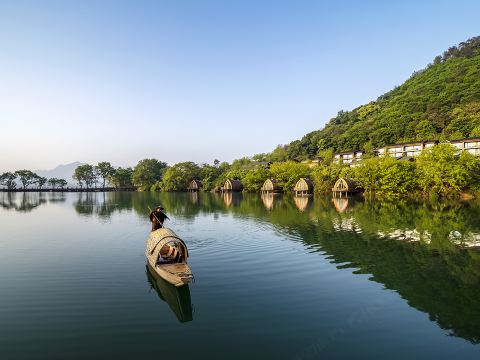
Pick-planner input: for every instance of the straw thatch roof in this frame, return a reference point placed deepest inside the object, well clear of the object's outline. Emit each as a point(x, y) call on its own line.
point(304, 184)
point(195, 185)
point(345, 185)
point(233, 185)
point(271, 185)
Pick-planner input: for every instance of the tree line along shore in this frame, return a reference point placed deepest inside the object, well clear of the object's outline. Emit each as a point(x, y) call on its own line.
point(438, 171)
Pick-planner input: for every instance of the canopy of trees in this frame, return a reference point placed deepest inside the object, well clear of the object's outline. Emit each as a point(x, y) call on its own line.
point(147, 172)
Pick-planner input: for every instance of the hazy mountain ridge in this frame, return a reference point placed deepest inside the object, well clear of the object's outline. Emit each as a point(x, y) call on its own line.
point(64, 171)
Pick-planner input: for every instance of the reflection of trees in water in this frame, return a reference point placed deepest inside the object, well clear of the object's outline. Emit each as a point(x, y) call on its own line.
point(419, 250)
point(102, 204)
point(406, 247)
point(431, 272)
point(56, 197)
point(23, 202)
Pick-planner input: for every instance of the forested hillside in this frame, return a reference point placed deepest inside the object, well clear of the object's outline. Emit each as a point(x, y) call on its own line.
point(441, 101)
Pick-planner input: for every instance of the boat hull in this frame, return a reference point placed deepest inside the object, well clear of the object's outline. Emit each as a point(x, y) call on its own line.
point(177, 274)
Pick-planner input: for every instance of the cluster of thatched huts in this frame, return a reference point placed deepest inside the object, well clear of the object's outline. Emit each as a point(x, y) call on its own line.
point(303, 187)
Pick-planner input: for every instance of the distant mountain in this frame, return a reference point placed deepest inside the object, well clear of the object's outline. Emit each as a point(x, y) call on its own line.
point(441, 101)
point(61, 172)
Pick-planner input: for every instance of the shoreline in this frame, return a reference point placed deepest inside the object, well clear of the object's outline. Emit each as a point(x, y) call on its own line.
point(70, 190)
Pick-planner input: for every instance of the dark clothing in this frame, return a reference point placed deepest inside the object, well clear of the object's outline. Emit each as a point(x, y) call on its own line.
point(158, 219)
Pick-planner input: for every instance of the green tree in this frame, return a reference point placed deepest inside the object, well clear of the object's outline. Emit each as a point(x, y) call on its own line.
point(85, 174)
point(61, 183)
point(26, 177)
point(122, 177)
point(425, 130)
point(209, 175)
point(7, 179)
point(40, 181)
point(105, 170)
point(52, 182)
point(254, 179)
point(278, 155)
point(147, 172)
point(442, 172)
point(386, 177)
point(325, 176)
point(178, 176)
point(288, 173)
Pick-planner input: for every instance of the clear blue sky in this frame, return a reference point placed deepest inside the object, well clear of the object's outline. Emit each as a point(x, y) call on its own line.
point(199, 80)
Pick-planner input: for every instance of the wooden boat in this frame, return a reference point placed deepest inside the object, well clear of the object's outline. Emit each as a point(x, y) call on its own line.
point(177, 298)
point(167, 254)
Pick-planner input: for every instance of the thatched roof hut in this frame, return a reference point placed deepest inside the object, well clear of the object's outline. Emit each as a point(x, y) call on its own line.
point(271, 185)
point(304, 186)
point(232, 185)
point(345, 186)
point(195, 185)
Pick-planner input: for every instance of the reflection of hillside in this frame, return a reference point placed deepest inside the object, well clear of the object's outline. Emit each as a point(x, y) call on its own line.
point(23, 202)
point(418, 261)
point(412, 249)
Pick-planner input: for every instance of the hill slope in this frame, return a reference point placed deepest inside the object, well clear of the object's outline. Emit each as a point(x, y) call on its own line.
point(440, 102)
point(61, 172)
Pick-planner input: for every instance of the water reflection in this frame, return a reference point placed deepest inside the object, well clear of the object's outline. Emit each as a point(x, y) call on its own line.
point(177, 298)
point(426, 252)
point(232, 198)
point(301, 202)
point(267, 199)
point(341, 204)
point(101, 204)
point(28, 201)
point(193, 197)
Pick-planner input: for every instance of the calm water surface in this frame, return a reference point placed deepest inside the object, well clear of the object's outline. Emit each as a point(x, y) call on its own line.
point(276, 278)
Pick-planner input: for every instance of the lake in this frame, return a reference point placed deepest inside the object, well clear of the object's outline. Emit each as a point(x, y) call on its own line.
point(276, 277)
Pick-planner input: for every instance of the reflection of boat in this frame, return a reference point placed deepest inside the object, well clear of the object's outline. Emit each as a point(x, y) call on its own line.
point(178, 298)
point(301, 202)
point(341, 204)
point(167, 254)
point(267, 199)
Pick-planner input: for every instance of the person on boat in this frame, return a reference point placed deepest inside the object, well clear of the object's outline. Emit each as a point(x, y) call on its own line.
point(157, 217)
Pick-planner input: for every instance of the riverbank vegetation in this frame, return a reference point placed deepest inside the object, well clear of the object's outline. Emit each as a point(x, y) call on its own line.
point(439, 102)
point(439, 171)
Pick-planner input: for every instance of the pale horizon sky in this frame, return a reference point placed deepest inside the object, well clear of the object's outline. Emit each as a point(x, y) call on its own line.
point(120, 81)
